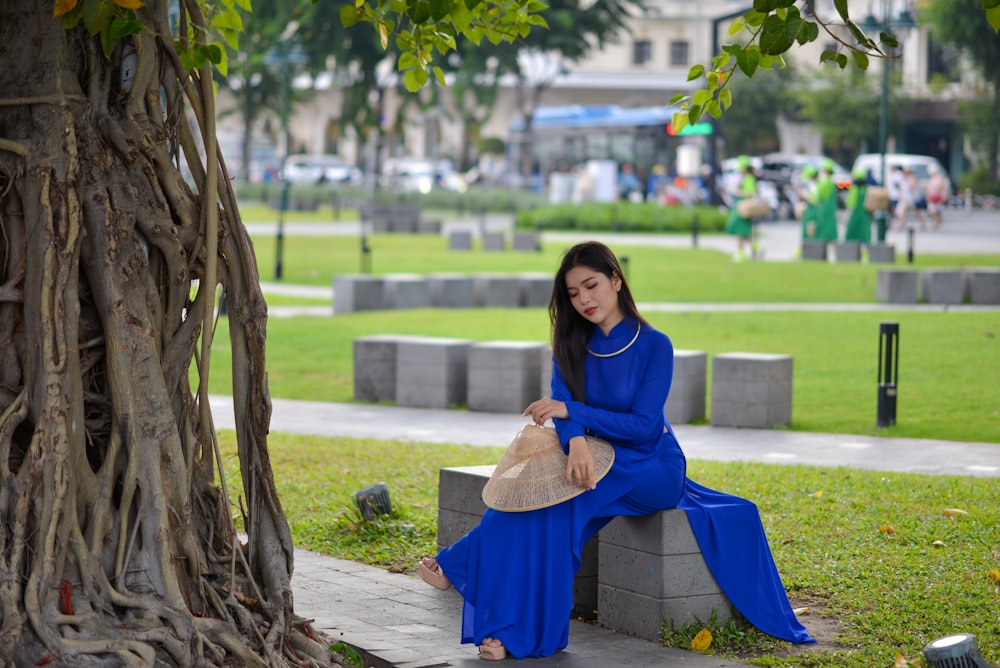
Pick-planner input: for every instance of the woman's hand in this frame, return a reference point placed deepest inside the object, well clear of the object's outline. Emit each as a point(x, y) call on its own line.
point(580, 467)
point(543, 409)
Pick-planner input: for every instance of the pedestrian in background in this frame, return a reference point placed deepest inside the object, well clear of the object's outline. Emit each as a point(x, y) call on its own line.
point(737, 225)
point(808, 196)
point(937, 195)
point(859, 220)
point(909, 194)
point(826, 204)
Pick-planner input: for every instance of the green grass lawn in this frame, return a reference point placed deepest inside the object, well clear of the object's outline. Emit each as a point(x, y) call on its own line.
point(871, 553)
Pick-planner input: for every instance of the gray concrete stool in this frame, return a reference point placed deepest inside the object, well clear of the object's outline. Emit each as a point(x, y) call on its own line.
point(896, 286)
point(527, 241)
point(536, 289)
point(847, 251)
point(460, 507)
point(375, 367)
point(451, 290)
point(460, 240)
point(498, 290)
point(687, 389)
point(881, 254)
point(942, 286)
point(504, 376)
point(983, 285)
point(431, 372)
point(813, 250)
point(751, 390)
point(650, 569)
point(405, 291)
point(358, 292)
point(494, 241)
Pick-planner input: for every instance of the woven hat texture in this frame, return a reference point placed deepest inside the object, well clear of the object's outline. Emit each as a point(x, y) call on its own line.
point(532, 472)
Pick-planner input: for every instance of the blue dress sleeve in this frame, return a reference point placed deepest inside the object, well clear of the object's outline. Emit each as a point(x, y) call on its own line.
point(625, 394)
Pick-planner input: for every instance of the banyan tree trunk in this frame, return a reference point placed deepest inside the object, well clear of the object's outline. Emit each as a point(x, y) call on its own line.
point(117, 545)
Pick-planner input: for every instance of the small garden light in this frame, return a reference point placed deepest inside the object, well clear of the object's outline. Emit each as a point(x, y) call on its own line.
point(957, 651)
point(373, 501)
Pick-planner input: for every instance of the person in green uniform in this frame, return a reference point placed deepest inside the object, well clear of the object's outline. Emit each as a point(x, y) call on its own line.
point(826, 204)
point(737, 225)
point(808, 196)
point(859, 222)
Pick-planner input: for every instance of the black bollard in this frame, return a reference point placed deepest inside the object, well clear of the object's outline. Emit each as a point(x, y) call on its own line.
point(694, 232)
point(623, 260)
point(888, 372)
point(909, 246)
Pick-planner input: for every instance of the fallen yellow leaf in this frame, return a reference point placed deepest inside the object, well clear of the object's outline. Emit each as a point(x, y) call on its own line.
point(954, 512)
point(886, 528)
point(900, 662)
point(802, 611)
point(939, 543)
point(702, 640)
point(817, 494)
point(994, 574)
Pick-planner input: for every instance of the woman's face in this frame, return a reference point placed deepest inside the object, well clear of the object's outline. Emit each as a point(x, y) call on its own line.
point(595, 296)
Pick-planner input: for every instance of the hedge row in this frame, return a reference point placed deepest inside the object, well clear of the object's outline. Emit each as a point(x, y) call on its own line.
point(623, 217)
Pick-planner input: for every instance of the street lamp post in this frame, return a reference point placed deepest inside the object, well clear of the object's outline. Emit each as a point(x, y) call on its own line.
point(285, 56)
point(870, 25)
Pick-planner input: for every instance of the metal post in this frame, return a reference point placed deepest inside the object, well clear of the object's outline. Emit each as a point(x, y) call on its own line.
point(909, 246)
point(888, 373)
point(883, 139)
point(694, 232)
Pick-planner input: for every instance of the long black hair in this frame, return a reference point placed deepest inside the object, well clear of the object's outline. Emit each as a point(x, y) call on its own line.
point(571, 331)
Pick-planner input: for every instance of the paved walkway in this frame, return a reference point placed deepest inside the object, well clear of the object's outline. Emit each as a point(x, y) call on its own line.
point(400, 621)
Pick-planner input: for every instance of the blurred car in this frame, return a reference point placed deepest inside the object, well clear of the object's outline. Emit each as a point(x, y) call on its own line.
point(420, 175)
point(784, 170)
point(312, 169)
point(918, 164)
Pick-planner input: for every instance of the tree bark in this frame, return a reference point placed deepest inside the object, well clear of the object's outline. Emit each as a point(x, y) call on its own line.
point(117, 545)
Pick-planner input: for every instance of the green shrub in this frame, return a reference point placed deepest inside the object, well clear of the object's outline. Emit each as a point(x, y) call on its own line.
point(980, 180)
point(643, 217)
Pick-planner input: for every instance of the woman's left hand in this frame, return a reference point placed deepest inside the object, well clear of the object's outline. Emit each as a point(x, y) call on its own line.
point(543, 409)
point(580, 464)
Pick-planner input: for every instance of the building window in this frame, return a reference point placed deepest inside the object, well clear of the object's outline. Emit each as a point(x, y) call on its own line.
point(642, 51)
point(943, 62)
point(679, 53)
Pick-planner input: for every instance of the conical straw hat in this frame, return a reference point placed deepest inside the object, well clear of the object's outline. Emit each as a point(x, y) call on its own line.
point(532, 472)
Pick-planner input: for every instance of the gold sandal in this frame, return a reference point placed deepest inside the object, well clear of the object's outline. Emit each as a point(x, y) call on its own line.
point(492, 652)
point(433, 576)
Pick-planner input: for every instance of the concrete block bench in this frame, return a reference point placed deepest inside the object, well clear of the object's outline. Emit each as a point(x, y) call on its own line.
point(536, 289)
point(375, 367)
point(498, 290)
point(358, 292)
point(526, 241)
point(635, 573)
point(392, 216)
point(505, 376)
point(896, 286)
point(403, 291)
point(650, 569)
point(494, 241)
point(460, 507)
point(847, 251)
point(687, 389)
point(881, 254)
point(942, 286)
point(460, 240)
point(813, 250)
point(751, 390)
point(451, 290)
point(431, 372)
point(983, 285)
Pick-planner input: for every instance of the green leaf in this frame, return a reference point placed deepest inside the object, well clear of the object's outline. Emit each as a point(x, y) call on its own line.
point(765, 5)
point(440, 9)
point(809, 32)
point(695, 72)
point(677, 99)
point(841, 6)
point(97, 15)
point(842, 60)
point(726, 98)
point(993, 15)
point(228, 19)
point(888, 40)
point(694, 113)
point(773, 38)
point(213, 53)
point(702, 97)
point(827, 56)
point(472, 4)
point(420, 12)
point(714, 110)
point(736, 26)
point(439, 75)
point(754, 18)
point(349, 15)
point(407, 59)
point(860, 59)
point(748, 60)
point(460, 16)
point(122, 27)
point(679, 121)
point(415, 79)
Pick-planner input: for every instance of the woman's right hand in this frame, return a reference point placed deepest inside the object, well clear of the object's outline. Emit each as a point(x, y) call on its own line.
point(541, 410)
point(580, 464)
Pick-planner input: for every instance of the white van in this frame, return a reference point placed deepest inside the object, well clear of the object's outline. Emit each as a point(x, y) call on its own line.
point(918, 164)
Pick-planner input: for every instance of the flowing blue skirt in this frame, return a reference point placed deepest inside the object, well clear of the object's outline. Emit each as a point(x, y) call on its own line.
point(516, 574)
